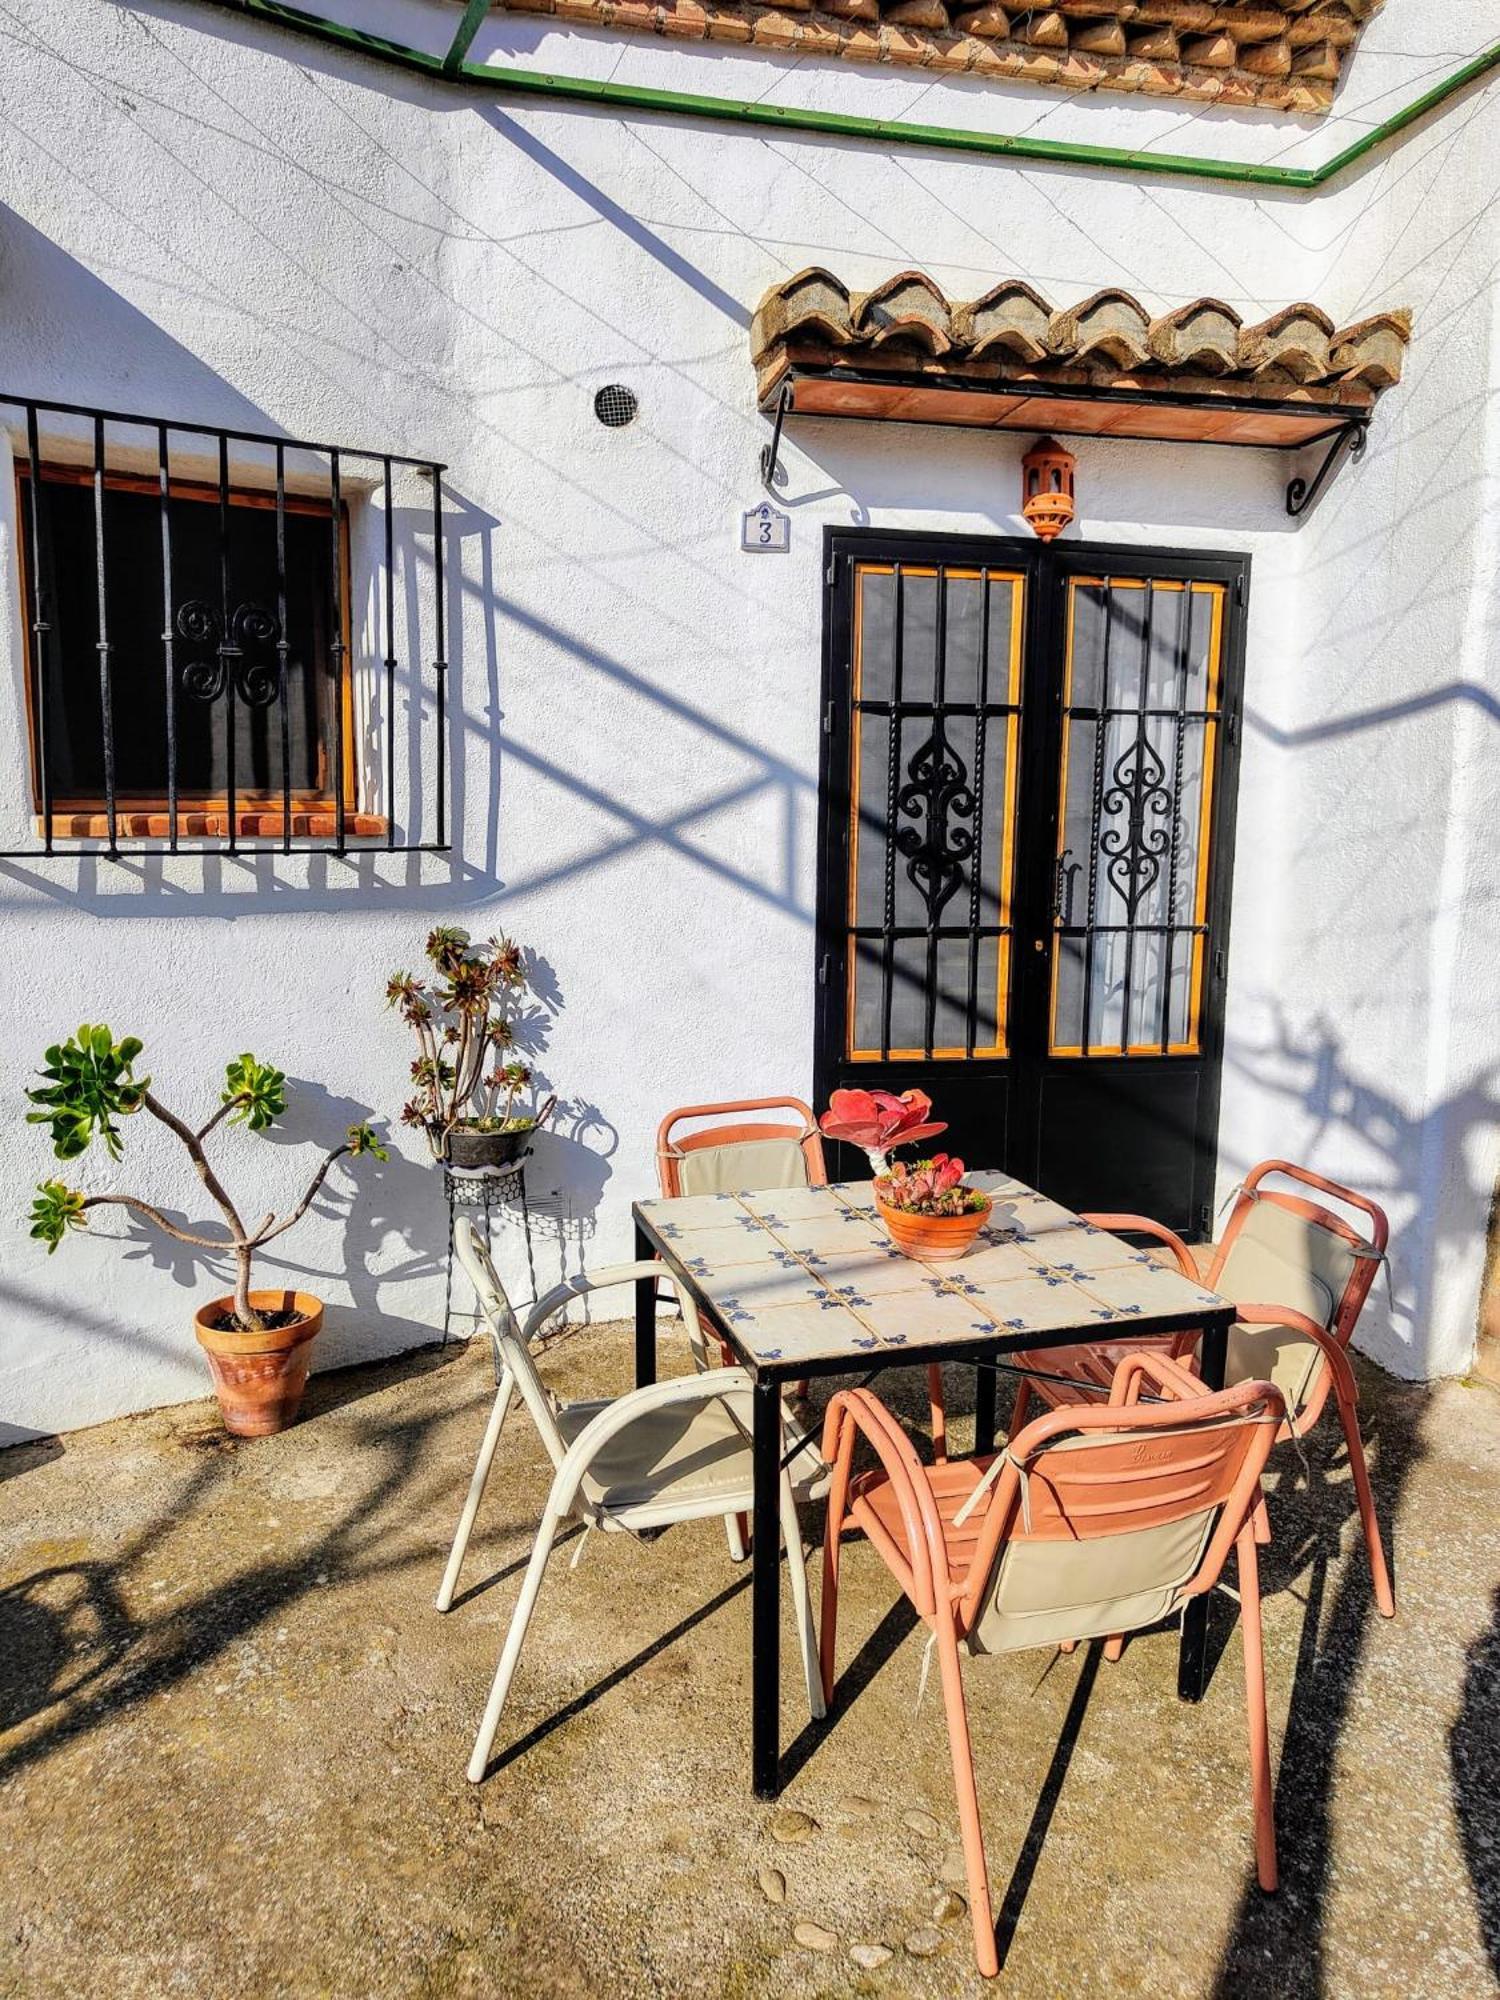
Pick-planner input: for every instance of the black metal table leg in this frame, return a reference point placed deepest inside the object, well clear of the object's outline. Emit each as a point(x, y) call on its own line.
point(765, 1596)
point(985, 1383)
point(1192, 1658)
point(645, 1315)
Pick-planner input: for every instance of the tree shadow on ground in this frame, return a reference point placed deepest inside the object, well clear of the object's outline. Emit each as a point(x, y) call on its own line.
point(1275, 1943)
point(1474, 1750)
point(83, 1653)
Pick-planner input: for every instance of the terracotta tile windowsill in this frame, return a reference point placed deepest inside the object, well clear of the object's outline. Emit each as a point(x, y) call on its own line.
point(316, 822)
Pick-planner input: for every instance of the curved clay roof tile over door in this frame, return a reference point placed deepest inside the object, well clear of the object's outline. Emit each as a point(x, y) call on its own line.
point(903, 348)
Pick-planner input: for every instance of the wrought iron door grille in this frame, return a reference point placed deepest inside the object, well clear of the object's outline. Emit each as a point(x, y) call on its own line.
point(1141, 716)
point(932, 787)
point(235, 642)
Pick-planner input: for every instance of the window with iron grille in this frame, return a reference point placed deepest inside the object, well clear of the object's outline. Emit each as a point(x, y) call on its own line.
point(232, 641)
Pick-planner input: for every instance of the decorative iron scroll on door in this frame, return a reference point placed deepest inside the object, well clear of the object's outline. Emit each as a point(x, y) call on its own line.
point(937, 794)
point(246, 656)
point(1134, 852)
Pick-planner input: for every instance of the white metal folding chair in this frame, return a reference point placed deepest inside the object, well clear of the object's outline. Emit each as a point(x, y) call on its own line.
point(673, 1451)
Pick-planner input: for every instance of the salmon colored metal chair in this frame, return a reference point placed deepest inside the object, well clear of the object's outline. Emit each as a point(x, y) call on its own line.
point(741, 1157)
point(736, 1159)
point(674, 1451)
point(1299, 1274)
point(1096, 1519)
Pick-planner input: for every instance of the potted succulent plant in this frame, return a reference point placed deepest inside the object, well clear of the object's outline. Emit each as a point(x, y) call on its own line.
point(463, 1019)
point(259, 1343)
point(927, 1209)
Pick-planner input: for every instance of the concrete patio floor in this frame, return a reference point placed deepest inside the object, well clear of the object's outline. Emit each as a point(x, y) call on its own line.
point(233, 1735)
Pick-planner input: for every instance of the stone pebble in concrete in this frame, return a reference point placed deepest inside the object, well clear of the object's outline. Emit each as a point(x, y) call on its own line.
point(814, 1937)
point(870, 1957)
point(772, 1885)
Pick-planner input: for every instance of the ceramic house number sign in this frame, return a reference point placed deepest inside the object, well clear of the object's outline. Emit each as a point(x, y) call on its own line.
point(765, 530)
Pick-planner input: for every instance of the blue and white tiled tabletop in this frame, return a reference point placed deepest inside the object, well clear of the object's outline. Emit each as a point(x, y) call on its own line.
point(806, 1275)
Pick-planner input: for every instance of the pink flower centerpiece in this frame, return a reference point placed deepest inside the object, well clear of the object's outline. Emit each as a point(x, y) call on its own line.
point(878, 1122)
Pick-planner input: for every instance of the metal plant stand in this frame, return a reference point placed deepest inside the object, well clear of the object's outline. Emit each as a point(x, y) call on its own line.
point(486, 1188)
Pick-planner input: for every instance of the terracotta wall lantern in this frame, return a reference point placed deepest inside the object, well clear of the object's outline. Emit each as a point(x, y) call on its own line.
point(1047, 488)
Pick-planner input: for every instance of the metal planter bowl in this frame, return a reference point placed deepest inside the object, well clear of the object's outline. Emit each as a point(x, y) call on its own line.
point(487, 1149)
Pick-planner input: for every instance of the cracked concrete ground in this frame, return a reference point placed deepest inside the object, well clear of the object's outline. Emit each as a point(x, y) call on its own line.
point(233, 1732)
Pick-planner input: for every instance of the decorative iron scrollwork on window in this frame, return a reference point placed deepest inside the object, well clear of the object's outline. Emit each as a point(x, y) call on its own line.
point(244, 657)
point(1068, 872)
point(1135, 851)
point(937, 793)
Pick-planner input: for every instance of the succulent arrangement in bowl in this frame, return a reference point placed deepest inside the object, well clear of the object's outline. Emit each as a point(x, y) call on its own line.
point(927, 1207)
point(464, 1016)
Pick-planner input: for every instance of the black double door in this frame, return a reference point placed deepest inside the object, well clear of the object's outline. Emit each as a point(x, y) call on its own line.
point(1026, 840)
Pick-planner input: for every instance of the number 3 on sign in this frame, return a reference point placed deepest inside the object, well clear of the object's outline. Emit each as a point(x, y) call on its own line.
point(765, 530)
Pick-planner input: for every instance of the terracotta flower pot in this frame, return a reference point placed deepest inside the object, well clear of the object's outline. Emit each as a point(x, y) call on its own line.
point(935, 1239)
point(259, 1377)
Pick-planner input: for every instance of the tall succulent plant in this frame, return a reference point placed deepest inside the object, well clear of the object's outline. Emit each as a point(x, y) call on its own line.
point(463, 1014)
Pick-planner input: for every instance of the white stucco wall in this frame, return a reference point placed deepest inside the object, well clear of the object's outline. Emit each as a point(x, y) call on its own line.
point(209, 220)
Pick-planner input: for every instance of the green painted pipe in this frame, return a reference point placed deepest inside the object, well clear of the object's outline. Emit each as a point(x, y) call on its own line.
point(455, 67)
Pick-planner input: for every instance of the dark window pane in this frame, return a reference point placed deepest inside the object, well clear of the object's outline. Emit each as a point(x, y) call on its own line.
point(206, 681)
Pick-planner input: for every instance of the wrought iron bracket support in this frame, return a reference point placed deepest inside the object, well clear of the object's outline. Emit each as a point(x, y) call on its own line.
point(1301, 493)
point(770, 454)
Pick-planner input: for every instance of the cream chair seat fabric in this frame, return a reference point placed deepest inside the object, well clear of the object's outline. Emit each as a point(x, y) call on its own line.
point(1048, 1592)
point(1281, 1258)
point(682, 1454)
point(742, 1166)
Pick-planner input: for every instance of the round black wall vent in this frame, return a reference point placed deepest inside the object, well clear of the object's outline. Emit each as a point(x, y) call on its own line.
point(615, 405)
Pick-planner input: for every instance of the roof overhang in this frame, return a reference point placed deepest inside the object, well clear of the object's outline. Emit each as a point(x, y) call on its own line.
point(905, 353)
point(1193, 410)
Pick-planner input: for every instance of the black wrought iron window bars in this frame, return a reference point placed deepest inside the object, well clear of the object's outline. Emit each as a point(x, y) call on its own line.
point(933, 819)
point(1138, 840)
point(224, 650)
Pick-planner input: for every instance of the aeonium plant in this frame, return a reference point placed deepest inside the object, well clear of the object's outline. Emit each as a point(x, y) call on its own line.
point(930, 1187)
point(463, 1014)
point(90, 1087)
point(877, 1122)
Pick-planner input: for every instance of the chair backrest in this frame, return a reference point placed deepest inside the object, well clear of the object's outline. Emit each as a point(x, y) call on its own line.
point(740, 1157)
point(511, 1350)
point(1280, 1248)
point(1106, 1519)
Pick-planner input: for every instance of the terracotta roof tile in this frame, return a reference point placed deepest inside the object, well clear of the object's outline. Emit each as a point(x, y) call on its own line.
point(1281, 55)
point(814, 319)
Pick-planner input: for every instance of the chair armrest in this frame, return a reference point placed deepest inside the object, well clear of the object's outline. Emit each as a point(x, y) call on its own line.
point(1176, 1382)
point(857, 1410)
point(1328, 1343)
point(600, 1280)
point(1142, 1225)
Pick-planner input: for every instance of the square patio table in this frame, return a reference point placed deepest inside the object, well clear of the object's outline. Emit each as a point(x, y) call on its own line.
point(805, 1281)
